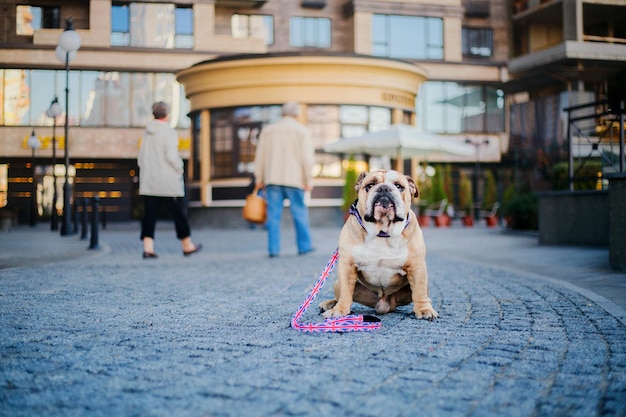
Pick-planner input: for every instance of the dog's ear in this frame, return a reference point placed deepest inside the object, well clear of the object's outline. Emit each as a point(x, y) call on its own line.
point(357, 186)
point(414, 191)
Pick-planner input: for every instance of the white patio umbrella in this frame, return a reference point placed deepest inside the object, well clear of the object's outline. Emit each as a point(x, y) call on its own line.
point(400, 141)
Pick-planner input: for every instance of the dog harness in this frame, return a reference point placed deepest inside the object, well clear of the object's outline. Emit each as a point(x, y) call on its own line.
point(350, 323)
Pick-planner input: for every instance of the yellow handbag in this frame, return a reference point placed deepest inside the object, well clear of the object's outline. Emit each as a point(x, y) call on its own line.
point(255, 209)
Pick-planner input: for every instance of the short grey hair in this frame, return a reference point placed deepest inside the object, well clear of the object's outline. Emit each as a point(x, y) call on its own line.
point(160, 110)
point(291, 108)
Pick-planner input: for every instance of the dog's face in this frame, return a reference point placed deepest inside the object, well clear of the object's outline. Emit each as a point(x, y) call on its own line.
point(385, 196)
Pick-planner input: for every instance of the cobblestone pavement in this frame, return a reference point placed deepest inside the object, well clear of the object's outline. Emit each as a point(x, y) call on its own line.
point(111, 334)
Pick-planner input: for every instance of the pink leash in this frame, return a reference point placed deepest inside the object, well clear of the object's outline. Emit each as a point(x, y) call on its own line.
point(351, 323)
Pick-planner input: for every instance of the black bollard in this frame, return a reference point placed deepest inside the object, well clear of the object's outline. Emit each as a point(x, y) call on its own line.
point(74, 218)
point(103, 219)
point(95, 203)
point(83, 219)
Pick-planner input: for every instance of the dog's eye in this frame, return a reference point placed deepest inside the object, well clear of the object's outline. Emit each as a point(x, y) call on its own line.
point(368, 187)
point(400, 187)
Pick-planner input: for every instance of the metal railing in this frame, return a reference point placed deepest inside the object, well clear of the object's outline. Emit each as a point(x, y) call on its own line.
point(595, 130)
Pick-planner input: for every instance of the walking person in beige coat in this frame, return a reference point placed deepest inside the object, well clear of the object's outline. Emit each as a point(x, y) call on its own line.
point(283, 166)
point(161, 181)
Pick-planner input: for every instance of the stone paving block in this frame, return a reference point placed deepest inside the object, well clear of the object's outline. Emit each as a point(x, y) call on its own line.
point(209, 335)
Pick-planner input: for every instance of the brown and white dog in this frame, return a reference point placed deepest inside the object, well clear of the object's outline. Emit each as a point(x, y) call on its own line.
point(382, 256)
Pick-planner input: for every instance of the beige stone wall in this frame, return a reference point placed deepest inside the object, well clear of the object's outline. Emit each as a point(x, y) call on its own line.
point(84, 142)
point(308, 79)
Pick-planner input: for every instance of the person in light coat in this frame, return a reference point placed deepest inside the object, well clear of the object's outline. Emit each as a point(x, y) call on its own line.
point(283, 167)
point(161, 181)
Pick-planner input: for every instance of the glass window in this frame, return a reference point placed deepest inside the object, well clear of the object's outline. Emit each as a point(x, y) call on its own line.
point(477, 42)
point(142, 98)
point(323, 121)
point(407, 37)
point(116, 99)
point(324, 124)
point(234, 134)
point(309, 32)
point(222, 164)
point(4, 184)
point(74, 112)
point(196, 157)
point(185, 108)
point(151, 25)
point(184, 27)
point(31, 18)
point(91, 102)
point(2, 97)
point(120, 25)
point(253, 26)
point(447, 107)
point(16, 97)
point(43, 89)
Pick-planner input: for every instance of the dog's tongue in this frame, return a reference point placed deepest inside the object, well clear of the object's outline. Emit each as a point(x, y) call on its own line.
point(383, 207)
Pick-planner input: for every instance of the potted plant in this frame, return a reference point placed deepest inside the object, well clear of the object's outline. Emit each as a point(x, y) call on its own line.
point(490, 198)
point(438, 195)
point(349, 191)
point(424, 186)
point(521, 212)
point(465, 199)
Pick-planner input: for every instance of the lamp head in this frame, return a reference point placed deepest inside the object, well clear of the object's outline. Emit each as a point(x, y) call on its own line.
point(62, 54)
point(33, 141)
point(70, 39)
point(55, 108)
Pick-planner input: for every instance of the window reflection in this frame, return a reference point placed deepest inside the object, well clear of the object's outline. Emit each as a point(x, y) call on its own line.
point(118, 99)
point(184, 27)
point(16, 97)
point(253, 26)
point(234, 134)
point(447, 107)
point(408, 37)
point(151, 25)
point(142, 98)
point(4, 184)
point(477, 42)
point(120, 25)
point(28, 19)
point(309, 31)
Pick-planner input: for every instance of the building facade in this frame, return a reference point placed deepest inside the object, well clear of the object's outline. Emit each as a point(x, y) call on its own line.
point(450, 67)
point(564, 54)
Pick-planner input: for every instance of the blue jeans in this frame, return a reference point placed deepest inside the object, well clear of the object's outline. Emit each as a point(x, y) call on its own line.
point(276, 194)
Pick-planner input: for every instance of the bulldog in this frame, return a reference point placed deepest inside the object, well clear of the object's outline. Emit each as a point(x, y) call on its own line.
point(382, 256)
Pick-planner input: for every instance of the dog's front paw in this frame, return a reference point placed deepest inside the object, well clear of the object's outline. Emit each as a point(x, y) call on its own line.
point(426, 312)
point(335, 312)
point(327, 305)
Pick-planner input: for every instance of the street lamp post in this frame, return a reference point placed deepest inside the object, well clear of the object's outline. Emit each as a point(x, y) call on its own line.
point(69, 42)
point(33, 144)
point(54, 111)
point(475, 194)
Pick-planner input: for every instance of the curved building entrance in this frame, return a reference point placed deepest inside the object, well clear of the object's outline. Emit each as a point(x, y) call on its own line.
point(232, 98)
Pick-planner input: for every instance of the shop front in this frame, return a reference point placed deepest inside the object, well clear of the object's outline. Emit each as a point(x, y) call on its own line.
point(232, 98)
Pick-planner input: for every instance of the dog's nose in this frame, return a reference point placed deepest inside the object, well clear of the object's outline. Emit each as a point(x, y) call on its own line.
point(384, 189)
